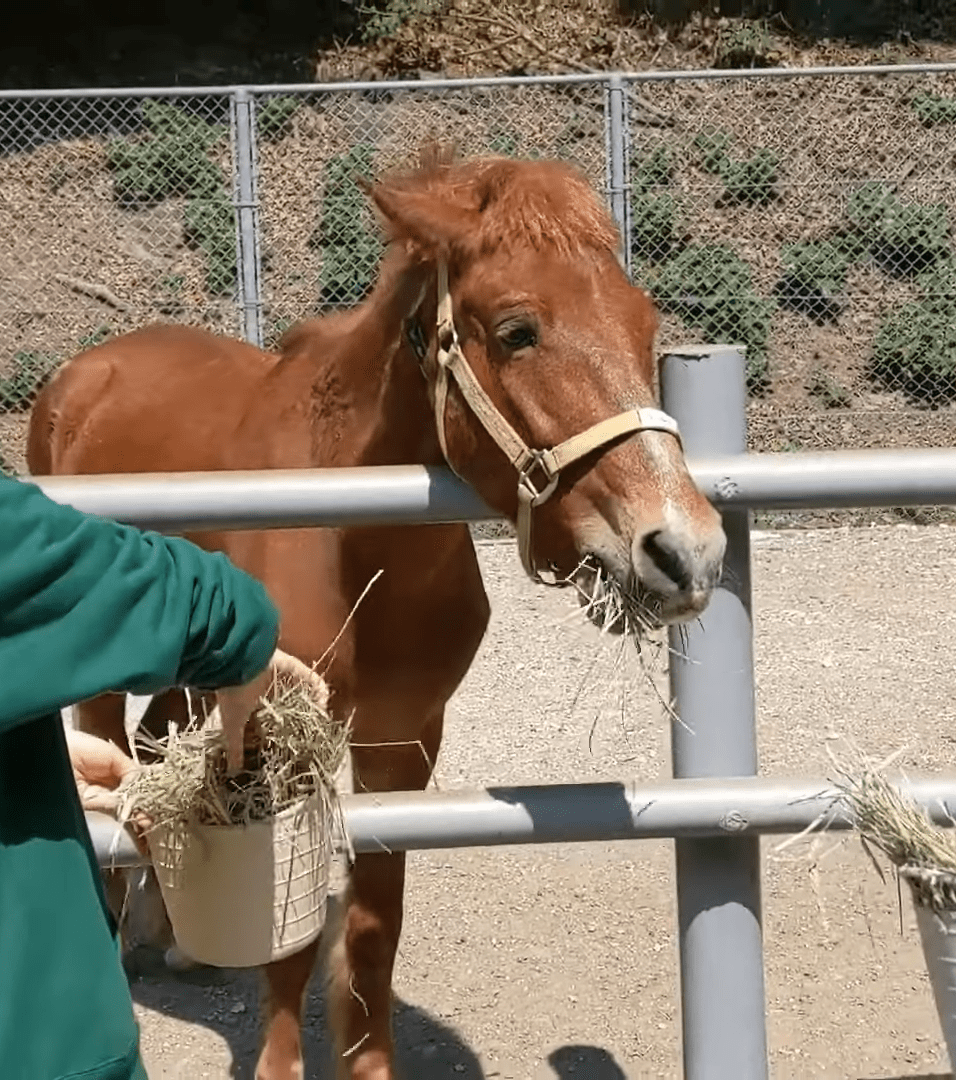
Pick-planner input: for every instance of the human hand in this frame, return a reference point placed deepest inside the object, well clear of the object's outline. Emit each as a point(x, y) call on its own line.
point(238, 703)
point(99, 767)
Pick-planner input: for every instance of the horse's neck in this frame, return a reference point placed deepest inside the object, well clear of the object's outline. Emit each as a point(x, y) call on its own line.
point(384, 417)
point(369, 399)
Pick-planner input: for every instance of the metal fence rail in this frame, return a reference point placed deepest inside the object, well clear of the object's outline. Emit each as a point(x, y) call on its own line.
point(577, 813)
point(805, 213)
point(406, 494)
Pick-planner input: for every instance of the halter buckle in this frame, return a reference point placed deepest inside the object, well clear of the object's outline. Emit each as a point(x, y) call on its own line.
point(526, 485)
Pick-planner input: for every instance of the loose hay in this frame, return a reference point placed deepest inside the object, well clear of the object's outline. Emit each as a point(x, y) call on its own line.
point(610, 606)
point(923, 853)
point(297, 750)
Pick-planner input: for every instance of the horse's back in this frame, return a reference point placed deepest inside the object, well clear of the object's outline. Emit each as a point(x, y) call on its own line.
point(161, 399)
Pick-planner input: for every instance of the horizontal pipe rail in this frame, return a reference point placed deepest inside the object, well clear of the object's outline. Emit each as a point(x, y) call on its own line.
point(274, 498)
point(568, 79)
point(828, 480)
point(572, 813)
point(405, 494)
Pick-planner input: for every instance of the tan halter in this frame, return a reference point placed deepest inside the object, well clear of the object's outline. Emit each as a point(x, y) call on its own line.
point(527, 462)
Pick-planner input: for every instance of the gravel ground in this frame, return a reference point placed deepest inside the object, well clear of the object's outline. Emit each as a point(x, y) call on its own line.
point(535, 963)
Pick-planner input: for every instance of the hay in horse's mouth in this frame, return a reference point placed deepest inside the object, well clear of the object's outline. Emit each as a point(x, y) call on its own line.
point(298, 753)
point(614, 608)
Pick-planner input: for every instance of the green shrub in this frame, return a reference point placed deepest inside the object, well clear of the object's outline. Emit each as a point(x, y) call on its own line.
point(710, 287)
point(937, 286)
point(748, 180)
point(504, 143)
point(830, 393)
point(653, 226)
point(913, 237)
point(384, 20)
point(915, 347)
point(814, 278)
point(94, 337)
point(868, 205)
point(276, 331)
point(30, 372)
point(744, 45)
point(210, 225)
point(173, 160)
point(904, 238)
point(915, 351)
point(274, 117)
point(350, 252)
point(655, 168)
point(933, 110)
point(751, 180)
point(713, 144)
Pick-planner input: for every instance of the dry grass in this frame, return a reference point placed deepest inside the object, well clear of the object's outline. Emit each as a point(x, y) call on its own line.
point(884, 818)
point(609, 605)
point(295, 752)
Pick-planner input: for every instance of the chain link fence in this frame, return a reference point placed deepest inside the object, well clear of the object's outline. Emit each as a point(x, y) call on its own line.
point(115, 211)
point(809, 217)
point(319, 244)
point(806, 214)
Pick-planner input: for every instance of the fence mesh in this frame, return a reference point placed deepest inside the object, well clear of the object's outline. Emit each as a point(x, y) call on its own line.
point(809, 218)
point(114, 212)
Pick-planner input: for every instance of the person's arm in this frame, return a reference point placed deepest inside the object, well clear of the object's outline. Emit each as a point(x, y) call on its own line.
point(88, 605)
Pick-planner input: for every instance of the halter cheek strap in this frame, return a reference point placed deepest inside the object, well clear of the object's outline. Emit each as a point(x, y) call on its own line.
point(538, 470)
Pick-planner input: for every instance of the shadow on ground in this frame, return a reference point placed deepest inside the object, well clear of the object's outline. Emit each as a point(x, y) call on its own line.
point(226, 1002)
point(584, 1063)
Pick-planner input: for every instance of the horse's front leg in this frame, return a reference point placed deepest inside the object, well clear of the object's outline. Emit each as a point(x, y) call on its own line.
point(361, 961)
point(360, 993)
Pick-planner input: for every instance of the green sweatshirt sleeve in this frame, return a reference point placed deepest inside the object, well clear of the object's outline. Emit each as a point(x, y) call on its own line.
point(88, 605)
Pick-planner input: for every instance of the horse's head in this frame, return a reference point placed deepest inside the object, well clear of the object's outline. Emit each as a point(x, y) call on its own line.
point(529, 335)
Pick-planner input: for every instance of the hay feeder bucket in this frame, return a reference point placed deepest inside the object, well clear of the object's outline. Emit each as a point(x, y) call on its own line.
point(937, 931)
point(246, 895)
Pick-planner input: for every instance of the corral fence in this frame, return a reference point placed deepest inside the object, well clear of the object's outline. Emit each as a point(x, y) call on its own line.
point(716, 807)
point(804, 213)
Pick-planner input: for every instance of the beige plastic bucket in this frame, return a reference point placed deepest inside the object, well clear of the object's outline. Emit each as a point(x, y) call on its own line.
point(937, 932)
point(244, 895)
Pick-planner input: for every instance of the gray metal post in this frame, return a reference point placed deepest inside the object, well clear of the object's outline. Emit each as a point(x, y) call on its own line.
point(617, 162)
point(711, 676)
point(247, 205)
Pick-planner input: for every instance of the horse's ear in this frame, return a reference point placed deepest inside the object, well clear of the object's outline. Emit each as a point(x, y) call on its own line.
point(432, 223)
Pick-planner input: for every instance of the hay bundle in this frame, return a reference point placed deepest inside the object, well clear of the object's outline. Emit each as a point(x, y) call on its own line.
point(296, 752)
point(243, 860)
point(923, 853)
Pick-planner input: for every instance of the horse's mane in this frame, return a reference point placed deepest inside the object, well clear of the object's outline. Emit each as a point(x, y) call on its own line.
point(522, 203)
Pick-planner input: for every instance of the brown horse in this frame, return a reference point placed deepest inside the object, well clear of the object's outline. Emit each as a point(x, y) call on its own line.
point(500, 321)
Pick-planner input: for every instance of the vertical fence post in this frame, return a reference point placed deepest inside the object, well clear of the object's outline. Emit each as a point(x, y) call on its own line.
point(711, 677)
point(246, 202)
point(617, 147)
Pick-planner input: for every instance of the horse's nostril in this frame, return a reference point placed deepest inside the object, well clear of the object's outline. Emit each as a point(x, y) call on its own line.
point(667, 557)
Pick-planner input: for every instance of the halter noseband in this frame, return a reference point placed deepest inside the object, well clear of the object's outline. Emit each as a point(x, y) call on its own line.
point(545, 465)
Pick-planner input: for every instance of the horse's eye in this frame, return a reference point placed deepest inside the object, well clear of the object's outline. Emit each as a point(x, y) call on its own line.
point(515, 336)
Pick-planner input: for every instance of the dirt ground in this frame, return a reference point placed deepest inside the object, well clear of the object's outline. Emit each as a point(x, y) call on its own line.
point(536, 963)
